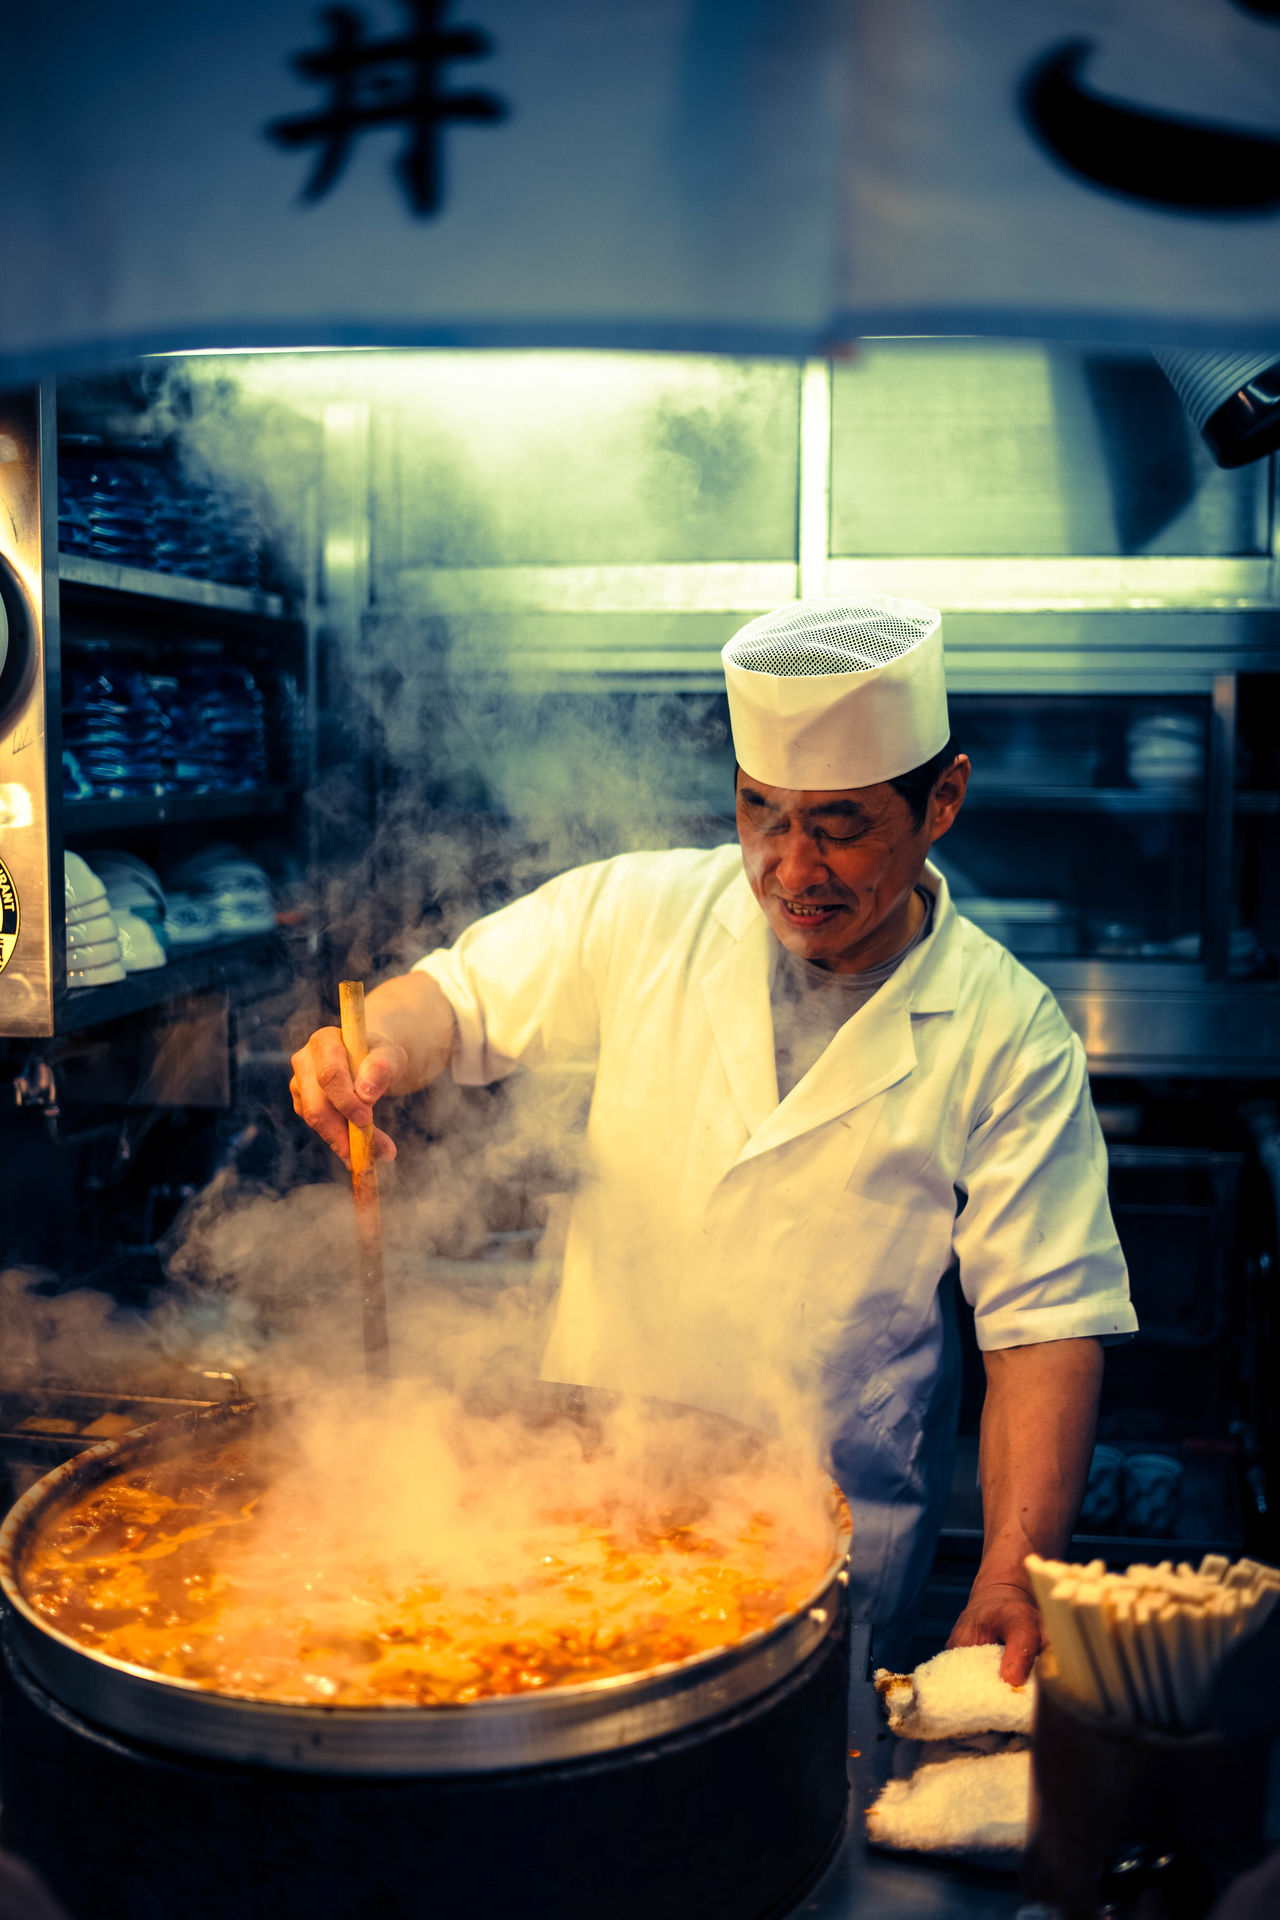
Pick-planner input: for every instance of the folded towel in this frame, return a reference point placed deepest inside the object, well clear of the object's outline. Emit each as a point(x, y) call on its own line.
point(910, 1755)
point(958, 1692)
point(970, 1804)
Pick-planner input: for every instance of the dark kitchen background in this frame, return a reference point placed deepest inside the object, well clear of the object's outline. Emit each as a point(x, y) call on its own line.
point(347, 648)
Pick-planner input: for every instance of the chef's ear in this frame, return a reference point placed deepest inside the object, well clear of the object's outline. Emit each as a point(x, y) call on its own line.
point(947, 797)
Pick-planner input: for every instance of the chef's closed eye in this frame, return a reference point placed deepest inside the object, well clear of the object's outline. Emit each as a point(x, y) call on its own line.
point(839, 822)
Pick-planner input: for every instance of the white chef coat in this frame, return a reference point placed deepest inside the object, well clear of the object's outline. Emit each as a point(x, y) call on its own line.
point(748, 1255)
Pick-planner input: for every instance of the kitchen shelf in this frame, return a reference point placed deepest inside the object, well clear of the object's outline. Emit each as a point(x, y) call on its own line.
point(106, 576)
point(1107, 799)
point(232, 964)
point(173, 809)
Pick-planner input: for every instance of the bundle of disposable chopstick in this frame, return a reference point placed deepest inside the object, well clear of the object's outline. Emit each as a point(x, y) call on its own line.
point(1146, 1645)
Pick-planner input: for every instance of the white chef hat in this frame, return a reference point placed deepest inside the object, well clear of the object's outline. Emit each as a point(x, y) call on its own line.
point(837, 693)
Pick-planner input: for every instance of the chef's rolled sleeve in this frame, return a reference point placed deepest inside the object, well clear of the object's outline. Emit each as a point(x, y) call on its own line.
point(521, 981)
point(1038, 1253)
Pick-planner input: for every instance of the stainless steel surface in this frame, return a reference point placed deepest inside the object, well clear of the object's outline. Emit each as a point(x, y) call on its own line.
point(1136, 1017)
point(1029, 928)
point(1073, 584)
point(346, 518)
point(979, 448)
point(663, 626)
point(1219, 876)
point(31, 721)
point(813, 507)
point(1057, 505)
point(518, 1731)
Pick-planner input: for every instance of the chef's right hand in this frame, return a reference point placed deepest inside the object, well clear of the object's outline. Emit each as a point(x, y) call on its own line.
point(325, 1097)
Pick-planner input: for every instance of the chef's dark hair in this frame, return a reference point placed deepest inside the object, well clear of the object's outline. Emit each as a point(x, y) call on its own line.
point(916, 786)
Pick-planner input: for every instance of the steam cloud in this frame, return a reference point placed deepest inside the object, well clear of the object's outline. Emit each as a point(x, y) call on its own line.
point(489, 780)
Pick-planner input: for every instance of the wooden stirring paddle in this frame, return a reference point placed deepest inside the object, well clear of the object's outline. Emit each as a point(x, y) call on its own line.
point(364, 1187)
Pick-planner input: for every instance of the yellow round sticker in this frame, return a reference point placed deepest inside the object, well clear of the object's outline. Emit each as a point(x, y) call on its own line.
point(9, 917)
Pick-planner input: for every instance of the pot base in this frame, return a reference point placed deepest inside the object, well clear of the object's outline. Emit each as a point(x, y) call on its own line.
point(734, 1818)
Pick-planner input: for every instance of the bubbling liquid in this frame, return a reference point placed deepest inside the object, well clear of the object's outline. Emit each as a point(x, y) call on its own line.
point(243, 1568)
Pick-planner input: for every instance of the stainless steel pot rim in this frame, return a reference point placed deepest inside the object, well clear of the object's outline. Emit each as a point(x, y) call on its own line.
point(693, 1667)
point(559, 1722)
point(345, 1741)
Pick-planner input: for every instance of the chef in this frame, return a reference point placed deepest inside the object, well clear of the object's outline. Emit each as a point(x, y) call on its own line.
point(822, 1099)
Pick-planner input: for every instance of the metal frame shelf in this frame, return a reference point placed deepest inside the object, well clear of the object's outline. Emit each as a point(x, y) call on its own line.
point(105, 576)
point(173, 809)
point(233, 964)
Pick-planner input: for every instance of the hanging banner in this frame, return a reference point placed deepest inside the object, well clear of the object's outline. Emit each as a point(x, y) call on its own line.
point(269, 172)
point(754, 175)
point(1094, 169)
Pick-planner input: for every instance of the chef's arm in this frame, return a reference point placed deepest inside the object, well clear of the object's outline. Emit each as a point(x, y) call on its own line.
point(410, 1027)
point(1038, 1422)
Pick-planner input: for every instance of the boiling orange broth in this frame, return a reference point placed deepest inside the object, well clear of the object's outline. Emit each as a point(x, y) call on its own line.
point(166, 1567)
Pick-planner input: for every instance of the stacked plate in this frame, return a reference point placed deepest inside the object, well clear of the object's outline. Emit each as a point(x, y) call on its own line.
point(229, 711)
point(133, 505)
point(114, 726)
point(94, 954)
point(137, 903)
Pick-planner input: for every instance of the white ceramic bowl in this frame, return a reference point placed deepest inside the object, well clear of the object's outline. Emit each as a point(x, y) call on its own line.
point(102, 953)
point(90, 931)
point(234, 873)
point(128, 863)
point(82, 883)
point(92, 909)
point(126, 890)
point(139, 944)
point(95, 976)
point(118, 878)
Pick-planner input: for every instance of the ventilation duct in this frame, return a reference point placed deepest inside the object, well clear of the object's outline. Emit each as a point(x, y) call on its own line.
point(1233, 398)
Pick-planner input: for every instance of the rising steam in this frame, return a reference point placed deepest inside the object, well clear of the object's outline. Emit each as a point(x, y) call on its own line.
point(491, 775)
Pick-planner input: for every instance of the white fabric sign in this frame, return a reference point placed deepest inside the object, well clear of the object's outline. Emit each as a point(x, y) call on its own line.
point(732, 174)
point(1090, 169)
point(663, 174)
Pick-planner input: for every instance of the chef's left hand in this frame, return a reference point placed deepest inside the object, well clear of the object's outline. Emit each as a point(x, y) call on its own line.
point(1002, 1612)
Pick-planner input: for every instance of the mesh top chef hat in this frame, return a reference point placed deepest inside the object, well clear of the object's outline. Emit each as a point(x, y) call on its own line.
point(836, 693)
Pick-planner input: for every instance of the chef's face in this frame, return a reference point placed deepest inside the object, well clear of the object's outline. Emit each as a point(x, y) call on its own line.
point(834, 871)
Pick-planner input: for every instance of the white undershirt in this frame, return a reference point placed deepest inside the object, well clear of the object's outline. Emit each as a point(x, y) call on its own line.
point(810, 1004)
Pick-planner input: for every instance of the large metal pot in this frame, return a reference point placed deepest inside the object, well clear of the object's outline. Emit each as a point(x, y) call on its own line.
point(712, 1785)
point(520, 1730)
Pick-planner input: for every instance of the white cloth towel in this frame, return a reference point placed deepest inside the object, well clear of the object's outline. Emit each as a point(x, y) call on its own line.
point(972, 1804)
point(957, 1693)
point(962, 1769)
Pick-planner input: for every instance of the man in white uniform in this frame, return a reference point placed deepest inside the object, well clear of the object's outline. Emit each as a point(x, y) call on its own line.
point(818, 1091)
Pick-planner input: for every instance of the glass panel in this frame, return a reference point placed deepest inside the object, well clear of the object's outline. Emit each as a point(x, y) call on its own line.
point(573, 459)
point(964, 447)
point(1082, 832)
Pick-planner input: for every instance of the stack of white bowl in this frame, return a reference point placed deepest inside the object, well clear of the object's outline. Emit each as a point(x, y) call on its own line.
point(221, 894)
point(94, 956)
point(137, 902)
